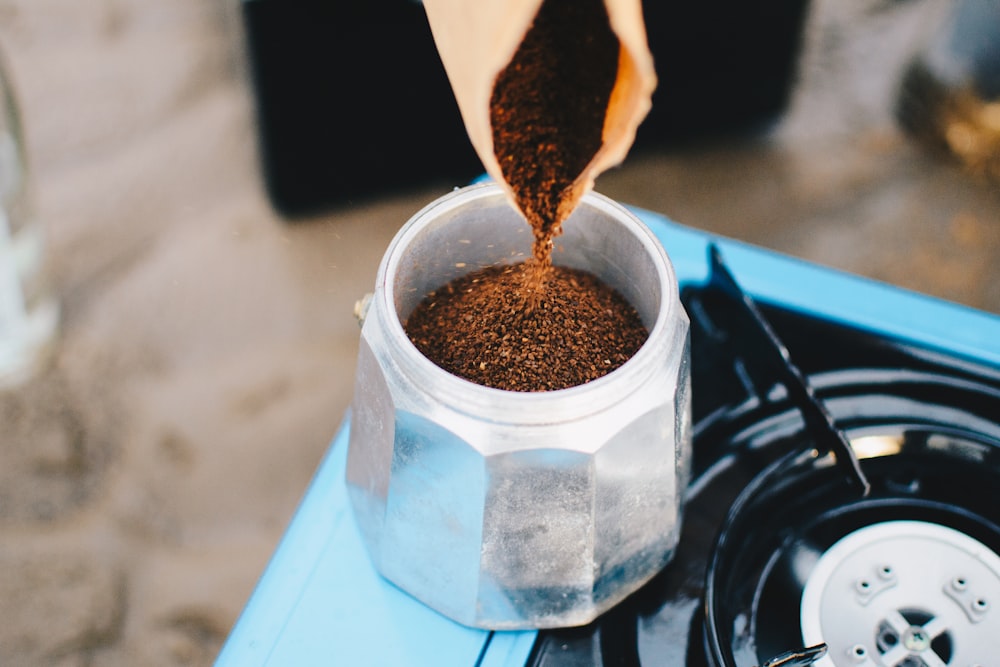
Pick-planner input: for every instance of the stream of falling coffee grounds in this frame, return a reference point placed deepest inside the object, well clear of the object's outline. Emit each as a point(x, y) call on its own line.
point(534, 326)
point(547, 111)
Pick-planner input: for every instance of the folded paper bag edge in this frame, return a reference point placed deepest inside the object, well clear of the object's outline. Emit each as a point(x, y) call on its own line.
point(476, 39)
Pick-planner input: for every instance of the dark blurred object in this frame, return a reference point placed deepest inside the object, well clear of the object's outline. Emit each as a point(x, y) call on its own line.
point(723, 67)
point(949, 95)
point(352, 99)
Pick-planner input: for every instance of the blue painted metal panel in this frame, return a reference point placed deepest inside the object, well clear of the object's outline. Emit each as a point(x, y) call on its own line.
point(834, 295)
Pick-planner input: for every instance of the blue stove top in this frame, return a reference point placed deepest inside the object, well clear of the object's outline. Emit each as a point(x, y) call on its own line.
point(320, 601)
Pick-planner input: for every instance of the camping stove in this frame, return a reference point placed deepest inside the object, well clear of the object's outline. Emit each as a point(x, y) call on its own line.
point(842, 510)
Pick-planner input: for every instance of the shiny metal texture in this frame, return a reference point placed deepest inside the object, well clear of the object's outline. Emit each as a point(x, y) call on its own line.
point(509, 510)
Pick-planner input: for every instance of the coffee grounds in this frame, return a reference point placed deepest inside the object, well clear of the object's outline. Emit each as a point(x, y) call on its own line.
point(491, 327)
point(547, 110)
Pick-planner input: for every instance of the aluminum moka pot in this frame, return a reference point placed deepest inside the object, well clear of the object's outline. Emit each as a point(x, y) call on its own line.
point(513, 510)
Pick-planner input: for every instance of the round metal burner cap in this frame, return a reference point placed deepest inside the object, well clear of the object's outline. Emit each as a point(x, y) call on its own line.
point(904, 594)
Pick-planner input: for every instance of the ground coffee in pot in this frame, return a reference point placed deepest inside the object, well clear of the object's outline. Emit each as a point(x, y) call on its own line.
point(491, 327)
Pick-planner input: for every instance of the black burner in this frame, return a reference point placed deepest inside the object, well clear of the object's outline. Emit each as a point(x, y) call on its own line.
point(930, 462)
point(768, 498)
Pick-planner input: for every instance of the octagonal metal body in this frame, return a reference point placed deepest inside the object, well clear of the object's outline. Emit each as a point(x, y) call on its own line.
point(509, 510)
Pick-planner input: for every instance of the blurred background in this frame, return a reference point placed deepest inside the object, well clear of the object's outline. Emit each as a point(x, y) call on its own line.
point(217, 181)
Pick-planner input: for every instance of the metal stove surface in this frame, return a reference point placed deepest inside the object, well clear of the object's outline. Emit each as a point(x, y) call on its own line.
point(912, 382)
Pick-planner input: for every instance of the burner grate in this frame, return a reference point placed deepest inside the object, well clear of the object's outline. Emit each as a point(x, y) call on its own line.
point(759, 340)
point(788, 460)
point(861, 597)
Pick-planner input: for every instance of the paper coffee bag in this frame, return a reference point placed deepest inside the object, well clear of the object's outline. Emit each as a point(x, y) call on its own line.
point(551, 92)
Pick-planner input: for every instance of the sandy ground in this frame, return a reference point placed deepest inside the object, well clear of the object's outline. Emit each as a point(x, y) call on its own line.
point(207, 347)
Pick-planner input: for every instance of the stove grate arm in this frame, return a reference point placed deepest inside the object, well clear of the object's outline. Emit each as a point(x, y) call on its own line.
point(800, 658)
point(818, 420)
